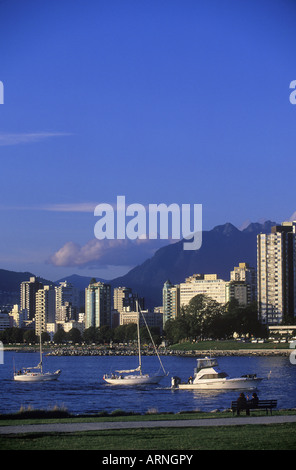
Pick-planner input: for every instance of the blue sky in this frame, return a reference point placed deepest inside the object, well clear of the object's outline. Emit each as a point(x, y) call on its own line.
point(161, 101)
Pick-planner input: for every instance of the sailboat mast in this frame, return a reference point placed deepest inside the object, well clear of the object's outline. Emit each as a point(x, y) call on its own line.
point(139, 341)
point(40, 352)
point(152, 341)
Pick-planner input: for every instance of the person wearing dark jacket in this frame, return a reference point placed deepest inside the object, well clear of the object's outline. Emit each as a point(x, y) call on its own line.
point(253, 403)
point(242, 404)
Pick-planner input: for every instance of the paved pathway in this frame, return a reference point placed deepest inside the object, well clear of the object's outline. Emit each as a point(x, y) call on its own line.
point(101, 426)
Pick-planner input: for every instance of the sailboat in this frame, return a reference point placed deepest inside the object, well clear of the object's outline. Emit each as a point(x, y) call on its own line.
point(136, 376)
point(35, 374)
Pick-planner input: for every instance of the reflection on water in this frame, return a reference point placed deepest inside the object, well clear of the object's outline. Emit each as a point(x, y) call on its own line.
point(81, 388)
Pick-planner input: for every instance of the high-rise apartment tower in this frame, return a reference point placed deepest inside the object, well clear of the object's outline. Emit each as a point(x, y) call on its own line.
point(45, 308)
point(171, 301)
point(97, 305)
point(276, 277)
point(28, 296)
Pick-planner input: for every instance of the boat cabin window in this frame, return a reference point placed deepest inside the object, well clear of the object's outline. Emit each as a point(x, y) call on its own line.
point(220, 375)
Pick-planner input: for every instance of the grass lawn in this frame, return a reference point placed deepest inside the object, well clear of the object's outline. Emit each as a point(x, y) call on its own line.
point(247, 437)
point(226, 346)
point(241, 437)
point(55, 416)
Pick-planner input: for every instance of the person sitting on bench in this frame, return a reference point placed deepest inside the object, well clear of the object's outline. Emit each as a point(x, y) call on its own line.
point(242, 404)
point(253, 403)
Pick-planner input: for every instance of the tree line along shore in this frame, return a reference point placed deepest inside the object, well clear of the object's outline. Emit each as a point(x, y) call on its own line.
point(206, 348)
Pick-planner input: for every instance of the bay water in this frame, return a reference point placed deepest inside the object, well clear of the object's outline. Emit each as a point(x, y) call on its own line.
point(80, 389)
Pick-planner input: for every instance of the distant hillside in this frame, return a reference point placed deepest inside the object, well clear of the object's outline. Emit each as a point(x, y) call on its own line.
point(10, 285)
point(222, 248)
point(80, 282)
point(10, 280)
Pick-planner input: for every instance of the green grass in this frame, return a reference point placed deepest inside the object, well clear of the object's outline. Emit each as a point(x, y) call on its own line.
point(49, 416)
point(241, 437)
point(225, 346)
point(33, 416)
point(247, 437)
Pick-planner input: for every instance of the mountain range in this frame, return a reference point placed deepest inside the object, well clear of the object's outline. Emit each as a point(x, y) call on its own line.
point(222, 248)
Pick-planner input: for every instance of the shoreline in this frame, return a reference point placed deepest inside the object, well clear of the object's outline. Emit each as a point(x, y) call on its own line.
point(122, 415)
point(101, 351)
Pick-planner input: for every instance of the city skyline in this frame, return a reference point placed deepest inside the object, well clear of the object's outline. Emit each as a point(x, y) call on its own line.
point(273, 291)
point(160, 103)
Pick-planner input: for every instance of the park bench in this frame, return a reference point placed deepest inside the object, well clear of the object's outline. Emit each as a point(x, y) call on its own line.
point(262, 405)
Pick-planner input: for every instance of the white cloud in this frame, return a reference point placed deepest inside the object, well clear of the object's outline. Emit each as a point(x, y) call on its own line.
point(99, 253)
point(29, 137)
point(61, 207)
point(72, 207)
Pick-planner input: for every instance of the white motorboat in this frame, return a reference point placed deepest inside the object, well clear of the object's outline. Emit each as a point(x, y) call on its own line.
point(35, 374)
point(208, 376)
point(136, 376)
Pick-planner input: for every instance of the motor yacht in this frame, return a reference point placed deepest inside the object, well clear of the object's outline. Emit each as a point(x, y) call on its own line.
point(208, 376)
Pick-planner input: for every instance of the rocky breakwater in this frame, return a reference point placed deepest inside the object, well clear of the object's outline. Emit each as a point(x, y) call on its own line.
point(146, 351)
point(234, 352)
point(100, 351)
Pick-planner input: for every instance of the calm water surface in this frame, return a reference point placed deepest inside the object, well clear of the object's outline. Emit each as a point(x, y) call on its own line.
point(81, 389)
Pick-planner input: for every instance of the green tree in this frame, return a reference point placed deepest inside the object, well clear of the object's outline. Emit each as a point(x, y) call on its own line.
point(12, 335)
point(202, 318)
point(74, 335)
point(178, 329)
point(125, 333)
point(231, 318)
point(45, 336)
point(146, 338)
point(243, 320)
point(60, 336)
point(89, 335)
point(30, 337)
point(104, 334)
point(205, 316)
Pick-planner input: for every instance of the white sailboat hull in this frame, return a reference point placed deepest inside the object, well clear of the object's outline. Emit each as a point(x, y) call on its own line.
point(221, 384)
point(37, 376)
point(133, 379)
